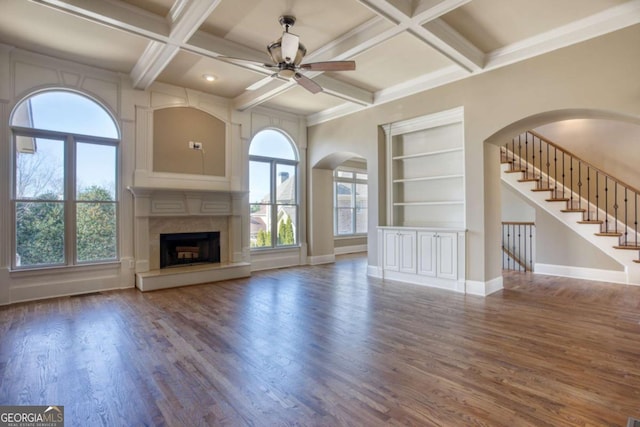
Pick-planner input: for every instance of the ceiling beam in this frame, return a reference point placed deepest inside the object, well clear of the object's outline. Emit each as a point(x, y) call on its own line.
point(423, 22)
point(344, 90)
point(253, 98)
point(184, 19)
point(116, 15)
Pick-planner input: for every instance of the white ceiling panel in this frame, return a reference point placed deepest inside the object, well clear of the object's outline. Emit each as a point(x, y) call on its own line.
point(62, 35)
point(187, 69)
point(492, 24)
point(158, 7)
point(394, 61)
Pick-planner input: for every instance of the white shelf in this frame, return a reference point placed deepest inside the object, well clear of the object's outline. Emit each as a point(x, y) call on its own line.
point(427, 178)
point(425, 170)
point(427, 154)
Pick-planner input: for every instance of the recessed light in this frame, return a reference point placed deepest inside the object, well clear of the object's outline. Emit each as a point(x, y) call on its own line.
point(208, 77)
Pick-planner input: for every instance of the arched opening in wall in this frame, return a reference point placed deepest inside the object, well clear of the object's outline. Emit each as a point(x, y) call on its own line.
point(65, 189)
point(346, 202)
point(570, 202)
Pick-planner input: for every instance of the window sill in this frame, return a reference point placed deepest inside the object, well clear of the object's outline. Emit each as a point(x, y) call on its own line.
point(42, 271)
point(275, 250)
point(351, 236)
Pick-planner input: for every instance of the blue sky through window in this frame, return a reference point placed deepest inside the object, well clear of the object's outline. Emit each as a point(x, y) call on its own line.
point(267, 143)
point(73, 113)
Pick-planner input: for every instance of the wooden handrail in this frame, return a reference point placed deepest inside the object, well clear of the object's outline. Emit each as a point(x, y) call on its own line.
point(515, 258)
point(517, 223)
point(553, 144)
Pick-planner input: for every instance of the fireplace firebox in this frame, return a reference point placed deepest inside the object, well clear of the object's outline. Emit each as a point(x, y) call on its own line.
point(179, 249)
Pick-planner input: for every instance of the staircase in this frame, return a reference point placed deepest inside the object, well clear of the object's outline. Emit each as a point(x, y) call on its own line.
point(597, 206)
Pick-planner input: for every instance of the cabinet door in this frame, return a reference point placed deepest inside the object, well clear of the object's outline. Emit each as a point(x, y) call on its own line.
point(427, 253)
point(447, 250)
point(391, 250)
point(407, 246)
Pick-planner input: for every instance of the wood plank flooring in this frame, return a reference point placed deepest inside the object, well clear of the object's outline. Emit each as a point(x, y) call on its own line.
point(327, 346)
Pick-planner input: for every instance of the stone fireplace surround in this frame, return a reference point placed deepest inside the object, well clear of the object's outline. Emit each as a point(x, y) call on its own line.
point(159, 211)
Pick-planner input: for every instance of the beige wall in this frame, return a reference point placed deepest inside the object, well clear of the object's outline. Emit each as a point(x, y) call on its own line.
point(606, 144)
point(600, 74)
point(557, 244)
point(174, 128)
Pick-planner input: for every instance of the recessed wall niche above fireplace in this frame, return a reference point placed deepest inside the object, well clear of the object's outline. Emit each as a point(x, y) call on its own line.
point(180, 249)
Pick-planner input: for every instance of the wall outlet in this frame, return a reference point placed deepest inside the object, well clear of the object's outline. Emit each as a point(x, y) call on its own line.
point(195, 145)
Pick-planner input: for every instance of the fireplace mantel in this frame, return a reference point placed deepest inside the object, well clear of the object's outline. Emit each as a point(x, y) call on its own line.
point(138, 191)
point(150, 201)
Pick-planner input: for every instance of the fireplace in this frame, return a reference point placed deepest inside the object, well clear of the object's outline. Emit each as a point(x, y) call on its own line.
point(179, 249)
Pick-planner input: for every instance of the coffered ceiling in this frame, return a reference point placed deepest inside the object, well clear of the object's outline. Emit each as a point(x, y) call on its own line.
point(400, 46)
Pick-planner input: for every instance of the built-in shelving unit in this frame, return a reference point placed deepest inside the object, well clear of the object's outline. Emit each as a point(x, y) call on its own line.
point(425, 170)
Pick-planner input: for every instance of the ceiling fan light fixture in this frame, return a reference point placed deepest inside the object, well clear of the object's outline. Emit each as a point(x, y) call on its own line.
point(286, 73)
point(275, 52)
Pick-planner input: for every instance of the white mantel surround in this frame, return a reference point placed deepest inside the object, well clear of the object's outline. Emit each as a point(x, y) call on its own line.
point(158, 210)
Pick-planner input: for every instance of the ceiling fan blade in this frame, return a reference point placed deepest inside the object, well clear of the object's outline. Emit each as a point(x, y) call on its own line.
point(290, 43)
point(330, 66)
point(307, 83)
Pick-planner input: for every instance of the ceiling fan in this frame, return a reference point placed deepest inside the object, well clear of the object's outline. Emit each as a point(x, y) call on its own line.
point(287, 53)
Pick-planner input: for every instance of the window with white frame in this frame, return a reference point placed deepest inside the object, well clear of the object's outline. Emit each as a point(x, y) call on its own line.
point(273, 190)
point(64, 195)
point(350, 202)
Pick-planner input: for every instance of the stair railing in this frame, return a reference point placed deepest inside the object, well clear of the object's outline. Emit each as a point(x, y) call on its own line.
point(602, 198)
point(517, 246)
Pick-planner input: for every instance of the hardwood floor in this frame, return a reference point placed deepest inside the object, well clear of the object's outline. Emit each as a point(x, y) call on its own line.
point(327, 346)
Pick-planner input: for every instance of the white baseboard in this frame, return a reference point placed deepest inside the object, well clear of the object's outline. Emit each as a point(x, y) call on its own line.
point(270, 260)
point(584, 273)
point(350, 249)
point(374, 271)
point(484, 289)
point(321, 259)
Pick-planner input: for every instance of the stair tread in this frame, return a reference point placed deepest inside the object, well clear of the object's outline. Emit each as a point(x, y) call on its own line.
point(636, 260)
point(542, 189)
point(629, 247)
point(515, 170)
point(573, 210)
point(609, 234)
point(591, 221)
point(528, 179)
point(557, 199)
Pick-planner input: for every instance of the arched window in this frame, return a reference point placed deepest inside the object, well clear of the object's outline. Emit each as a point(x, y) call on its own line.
point(65, 197)
point(273, 190)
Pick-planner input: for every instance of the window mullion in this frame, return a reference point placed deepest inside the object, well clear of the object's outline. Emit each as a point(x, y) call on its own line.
point(274, 205)
point(70, 200)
